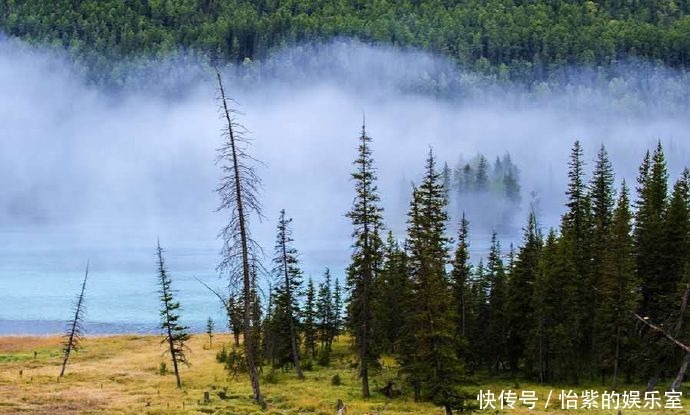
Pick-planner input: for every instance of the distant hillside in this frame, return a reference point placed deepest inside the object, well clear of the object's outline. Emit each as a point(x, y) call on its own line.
point(511, 39)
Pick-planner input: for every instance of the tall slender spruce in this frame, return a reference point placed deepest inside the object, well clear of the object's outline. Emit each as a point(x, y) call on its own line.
point(238, 193)
point(287, 268)
point(175, 334)
point(460, 279)
point(75, 330)
point(310, 316)
point(366, 217)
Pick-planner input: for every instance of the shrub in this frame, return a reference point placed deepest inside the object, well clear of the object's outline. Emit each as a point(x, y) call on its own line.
point(336, 381)
point(271, 377)
point(162, 369)
point(222, 355)
point(308, 365)
point(324, 358)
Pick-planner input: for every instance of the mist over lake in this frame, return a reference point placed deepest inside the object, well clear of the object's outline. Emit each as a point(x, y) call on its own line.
point(92, 173)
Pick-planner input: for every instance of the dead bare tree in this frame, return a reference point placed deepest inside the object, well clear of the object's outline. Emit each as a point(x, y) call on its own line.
point(238, 191)
point(75, 330)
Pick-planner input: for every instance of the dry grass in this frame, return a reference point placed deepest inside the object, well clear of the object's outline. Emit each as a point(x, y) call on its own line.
point(120, 375)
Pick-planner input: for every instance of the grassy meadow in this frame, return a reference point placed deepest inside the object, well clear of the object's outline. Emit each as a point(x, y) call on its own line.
point(121, 375)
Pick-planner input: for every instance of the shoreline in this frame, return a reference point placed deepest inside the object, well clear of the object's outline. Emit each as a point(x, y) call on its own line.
point(50, 328)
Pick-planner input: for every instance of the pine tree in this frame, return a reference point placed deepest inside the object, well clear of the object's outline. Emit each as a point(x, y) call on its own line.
point(237, 191)
point(618, 293)
point(393, 288)
point(366, 217)
point(650, 247)
point(210, 326)
point(497, 330)
point(324, 312)
point(287, 269)
point(481, 180)
point(460, 281)
point(235, 316)
point(552, 345)
point(429, 358)
point(511, 187)
point(520, 298)
point(576, 244)
point(477, 319)
point(256, 313)
point(649, 234)
point(310, 319)
point(337, 308)
point(75, 330)
point(447, 180)
point(175, 334)
point(677, 232)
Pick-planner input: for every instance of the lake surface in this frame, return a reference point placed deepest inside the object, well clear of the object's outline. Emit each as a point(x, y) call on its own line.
point(42, 266)
point(41, 269)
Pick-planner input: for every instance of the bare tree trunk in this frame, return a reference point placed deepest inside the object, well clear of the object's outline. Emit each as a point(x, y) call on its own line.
point(679, 325)
point(681, 373)
point(244, 241)
point(173, 354)
point(614, 381)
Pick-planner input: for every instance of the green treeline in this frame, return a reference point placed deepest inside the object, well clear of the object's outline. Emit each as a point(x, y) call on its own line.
point(593, 300)
point(515, 39)
point(565, 306)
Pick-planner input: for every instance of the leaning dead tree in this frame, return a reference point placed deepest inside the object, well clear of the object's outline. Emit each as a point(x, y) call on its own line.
point(75, 330)
point(238, 190)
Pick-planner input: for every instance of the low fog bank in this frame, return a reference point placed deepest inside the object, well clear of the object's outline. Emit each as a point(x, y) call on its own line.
point(86, 172)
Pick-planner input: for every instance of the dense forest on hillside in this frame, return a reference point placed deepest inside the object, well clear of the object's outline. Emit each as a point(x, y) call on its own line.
point(510, 39)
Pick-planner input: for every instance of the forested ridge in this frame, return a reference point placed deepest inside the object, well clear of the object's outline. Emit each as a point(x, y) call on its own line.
point(514, 39)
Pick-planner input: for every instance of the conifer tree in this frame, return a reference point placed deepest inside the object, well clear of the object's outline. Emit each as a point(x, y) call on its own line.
point(366, 217)
point(677, 232)
point(576, 245)
point(619, 295)
point(75, 330)
point(287, 269)
point(477, 318)
point(602, 197)
point(429, 358)
point(481, 180)
point(324, 312)
point(511, 187)
point(310, 319)
point(235, 311)
point(447, 180)
point(649, 234)
point(393, 288)
point(650, 247)
point(460, 281)
point(237, 190)
point(552, 345)
point(337, 308)
point(175, 334)
point(497, 330)
point(210, 326)
point(520, 297)
point(256, 312)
